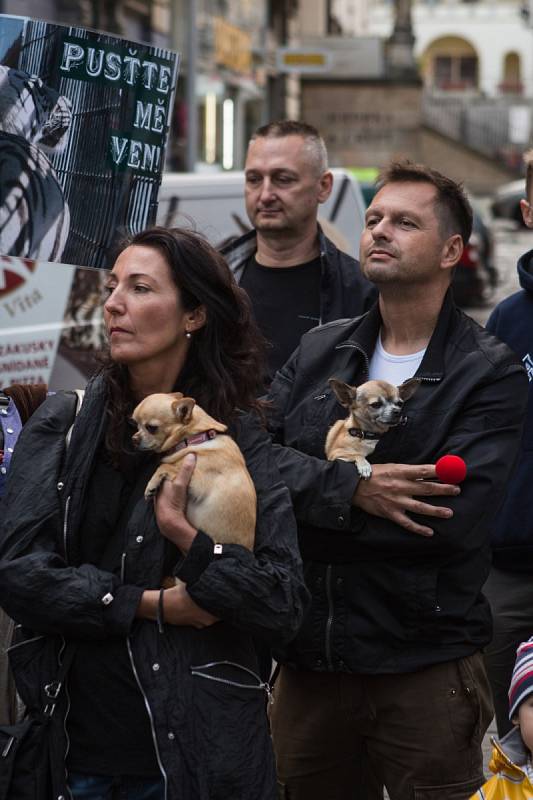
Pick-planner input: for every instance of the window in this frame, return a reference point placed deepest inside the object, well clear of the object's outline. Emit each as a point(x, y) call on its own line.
point(512, 75)
point(455, 72)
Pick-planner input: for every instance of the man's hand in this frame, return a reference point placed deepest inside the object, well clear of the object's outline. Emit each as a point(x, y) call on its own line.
point(391, 493)
point(171, 505)
point(178, 608)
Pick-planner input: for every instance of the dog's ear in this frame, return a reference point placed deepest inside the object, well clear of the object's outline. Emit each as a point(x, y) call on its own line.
point(408, 388)
point(344, 393)
point(183, 409)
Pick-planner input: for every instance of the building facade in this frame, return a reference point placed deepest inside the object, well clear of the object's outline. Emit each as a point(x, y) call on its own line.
point(231, 45)
point(476, 46)
point(475, 58)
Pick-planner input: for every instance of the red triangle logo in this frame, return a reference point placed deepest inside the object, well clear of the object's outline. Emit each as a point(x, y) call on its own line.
point(13, 273)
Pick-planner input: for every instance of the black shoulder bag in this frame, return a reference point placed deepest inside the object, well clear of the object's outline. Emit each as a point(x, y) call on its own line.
point(25, 771)
point(24, 748)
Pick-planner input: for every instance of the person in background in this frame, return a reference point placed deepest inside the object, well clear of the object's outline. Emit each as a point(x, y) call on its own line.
point(509, 587)
point(165, 696)
point(295, 276)
point(387, 667)
point(17, 404)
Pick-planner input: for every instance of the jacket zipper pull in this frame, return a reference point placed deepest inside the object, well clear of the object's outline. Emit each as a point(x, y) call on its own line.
point(268, 690)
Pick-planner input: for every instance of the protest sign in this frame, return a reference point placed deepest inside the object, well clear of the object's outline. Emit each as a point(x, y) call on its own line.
point(84, 122)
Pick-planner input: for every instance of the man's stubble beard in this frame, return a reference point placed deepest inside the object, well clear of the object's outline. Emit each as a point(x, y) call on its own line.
point(273, 226)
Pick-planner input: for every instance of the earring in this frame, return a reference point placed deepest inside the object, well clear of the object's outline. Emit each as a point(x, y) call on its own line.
point(188, 335)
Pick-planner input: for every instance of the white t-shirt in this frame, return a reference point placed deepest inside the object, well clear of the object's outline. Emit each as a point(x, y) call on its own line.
point(394, 369)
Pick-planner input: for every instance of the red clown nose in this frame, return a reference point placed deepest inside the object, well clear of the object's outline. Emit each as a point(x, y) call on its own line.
point(451, 469)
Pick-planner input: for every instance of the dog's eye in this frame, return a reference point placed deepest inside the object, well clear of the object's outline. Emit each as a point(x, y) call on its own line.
point(152, 428)
point(376, 404)
point(399, 403)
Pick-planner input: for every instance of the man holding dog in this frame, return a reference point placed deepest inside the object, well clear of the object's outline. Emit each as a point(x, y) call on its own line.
point(387, 671)
point(295, 276)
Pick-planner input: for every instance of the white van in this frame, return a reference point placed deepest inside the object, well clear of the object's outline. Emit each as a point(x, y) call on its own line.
point(214, 205)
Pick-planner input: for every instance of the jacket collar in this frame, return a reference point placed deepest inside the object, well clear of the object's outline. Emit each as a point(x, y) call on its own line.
point(325, 245)
point(365, 335)
point(509, 754)
point(240, 250)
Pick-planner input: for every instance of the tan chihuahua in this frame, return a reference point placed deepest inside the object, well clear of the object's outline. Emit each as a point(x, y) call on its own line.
point(374, 406)
point(221, 497)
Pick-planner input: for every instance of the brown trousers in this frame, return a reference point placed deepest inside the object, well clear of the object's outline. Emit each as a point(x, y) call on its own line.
point(341, 737)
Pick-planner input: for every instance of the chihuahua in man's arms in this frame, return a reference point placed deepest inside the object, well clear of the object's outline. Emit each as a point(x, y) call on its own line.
point(374, 407)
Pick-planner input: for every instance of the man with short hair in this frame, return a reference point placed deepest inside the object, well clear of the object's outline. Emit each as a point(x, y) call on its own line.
point(387, 667)
point(509, 588)
point(295, 276)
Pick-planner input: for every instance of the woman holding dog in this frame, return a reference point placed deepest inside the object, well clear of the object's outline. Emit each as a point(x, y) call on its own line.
point(166, 695)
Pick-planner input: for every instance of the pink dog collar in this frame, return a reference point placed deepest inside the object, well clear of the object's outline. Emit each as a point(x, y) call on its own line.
point(198, 438)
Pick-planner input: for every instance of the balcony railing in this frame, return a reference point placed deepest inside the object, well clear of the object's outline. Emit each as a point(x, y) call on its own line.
point(483, 124)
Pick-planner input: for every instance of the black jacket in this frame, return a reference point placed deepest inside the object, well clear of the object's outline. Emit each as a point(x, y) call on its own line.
point(211, 737)
point(385, 600)
point(512, 533)
point(344, 292)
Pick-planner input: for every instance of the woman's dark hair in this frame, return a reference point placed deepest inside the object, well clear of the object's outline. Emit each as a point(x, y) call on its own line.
point(225, 369)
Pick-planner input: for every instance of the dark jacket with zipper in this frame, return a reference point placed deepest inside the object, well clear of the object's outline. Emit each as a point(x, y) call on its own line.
point(208, 722)
point(385, 600)
point(344, 292)
point(512, 533)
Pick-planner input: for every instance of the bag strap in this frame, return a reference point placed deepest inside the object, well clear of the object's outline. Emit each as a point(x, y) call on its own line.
point(80, 394)
point(53, 690)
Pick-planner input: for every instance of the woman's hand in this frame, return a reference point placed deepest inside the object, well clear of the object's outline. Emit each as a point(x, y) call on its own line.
point(391, 493)
point(171, 505)
point(178, 608)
